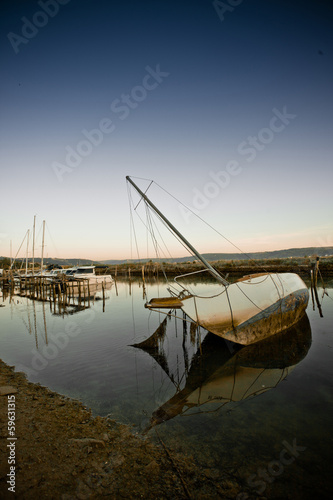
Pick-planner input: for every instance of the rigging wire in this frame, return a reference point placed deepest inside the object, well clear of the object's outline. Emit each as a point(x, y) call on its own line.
point(220, 234)
point(12, 264)
point(225, 289)
point(229, 241)
point(145, 225)
point(150, 229)
point(211, 227)
point(149, 225)
point(176, 234)
point(224, 237)
point(152, 225)
point(132, 225)
point(54, 245)
point(141, 198)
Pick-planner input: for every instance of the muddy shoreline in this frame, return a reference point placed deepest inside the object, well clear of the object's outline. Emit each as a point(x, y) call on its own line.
point(62, 452)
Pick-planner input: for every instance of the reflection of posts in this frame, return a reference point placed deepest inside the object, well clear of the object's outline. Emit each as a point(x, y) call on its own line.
point(314, 278)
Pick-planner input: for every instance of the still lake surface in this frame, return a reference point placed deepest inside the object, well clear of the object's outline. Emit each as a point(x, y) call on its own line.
point(264, 415)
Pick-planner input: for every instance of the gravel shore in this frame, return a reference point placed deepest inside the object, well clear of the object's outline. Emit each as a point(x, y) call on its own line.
point(62, 452)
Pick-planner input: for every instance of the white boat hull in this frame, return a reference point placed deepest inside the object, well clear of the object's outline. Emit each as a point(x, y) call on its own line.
point(251, 309)
point(96, 278)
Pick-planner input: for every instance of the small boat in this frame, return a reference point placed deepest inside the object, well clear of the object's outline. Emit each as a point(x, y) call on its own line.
point(245, 312)
point(88, 272)
point(69, 271)
point(49, 275)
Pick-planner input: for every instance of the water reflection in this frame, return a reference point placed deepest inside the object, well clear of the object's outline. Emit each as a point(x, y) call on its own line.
point(221, 373)
point(61, 304)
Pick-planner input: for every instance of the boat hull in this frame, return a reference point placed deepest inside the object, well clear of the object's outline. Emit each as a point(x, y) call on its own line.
point(251, 309)
point(95, 278)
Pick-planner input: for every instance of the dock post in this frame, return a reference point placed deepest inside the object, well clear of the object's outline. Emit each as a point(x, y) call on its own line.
point(59, 298)
point(64, 284)
point(143, 283)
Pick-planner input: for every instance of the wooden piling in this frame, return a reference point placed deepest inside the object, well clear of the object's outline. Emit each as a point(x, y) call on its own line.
point(143, 283)
point(64, 284)
point(60, 305)
point(316, 268)
point(54, 295)
point(115, 281)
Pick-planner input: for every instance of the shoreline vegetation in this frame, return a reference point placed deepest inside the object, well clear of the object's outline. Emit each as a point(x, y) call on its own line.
point(301, 266)
point(237, 268)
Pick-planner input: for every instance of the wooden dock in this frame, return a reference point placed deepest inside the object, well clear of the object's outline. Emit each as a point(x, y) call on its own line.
point(60, 293)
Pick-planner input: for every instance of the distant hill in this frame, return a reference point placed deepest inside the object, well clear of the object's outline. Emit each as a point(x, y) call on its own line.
point(275, 254)
point(70, 262)
point(60, 262)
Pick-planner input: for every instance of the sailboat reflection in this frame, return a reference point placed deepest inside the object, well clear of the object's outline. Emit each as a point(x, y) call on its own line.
point(223, 373)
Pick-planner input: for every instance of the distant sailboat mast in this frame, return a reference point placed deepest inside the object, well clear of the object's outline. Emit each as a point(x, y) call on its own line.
point(42, 258)
point(26, 260)
point(212, 271)
point(33, 246)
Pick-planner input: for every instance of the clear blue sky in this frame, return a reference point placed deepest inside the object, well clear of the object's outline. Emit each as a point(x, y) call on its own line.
point(228, 108)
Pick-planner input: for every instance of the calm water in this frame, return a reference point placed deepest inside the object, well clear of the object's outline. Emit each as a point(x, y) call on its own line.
point(264, 414)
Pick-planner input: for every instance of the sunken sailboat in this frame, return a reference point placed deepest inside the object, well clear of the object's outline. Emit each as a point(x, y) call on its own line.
point(247, 311)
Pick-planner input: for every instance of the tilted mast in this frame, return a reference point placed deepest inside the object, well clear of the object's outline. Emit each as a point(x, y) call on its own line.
point(212, 271)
